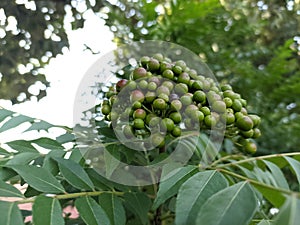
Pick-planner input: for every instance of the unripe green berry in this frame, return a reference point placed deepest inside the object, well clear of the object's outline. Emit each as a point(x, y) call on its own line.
point(218, 106)
point(167, 125)
point(158, 140)
point(168, 84)
point(177, 69)
point(168, 74)
point(176, 105)
point(197, 85)
point(210, 121)
point(176, 132)
point(181, 89)
point(105, 109)
point(176, 117)
point(138, 123)
point(236, 105)
point(152, 86)
point(162, 89)
point(159, 104)
point(153, 65)
point(199, 96)
point(226, 87)
point(256, 133)
point(228, 102)
point(186, 100)
point(184, 78)
point(205, 110)
point(244, 123)
point(128, 131)
point(150, 96)
point(142, 84)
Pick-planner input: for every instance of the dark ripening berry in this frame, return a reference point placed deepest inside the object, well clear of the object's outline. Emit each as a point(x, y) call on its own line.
point(120, 84)
point(139, 73)
point(139, 113)
point(137, 95)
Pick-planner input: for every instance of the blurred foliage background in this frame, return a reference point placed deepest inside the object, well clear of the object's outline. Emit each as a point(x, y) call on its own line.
point(253, 45)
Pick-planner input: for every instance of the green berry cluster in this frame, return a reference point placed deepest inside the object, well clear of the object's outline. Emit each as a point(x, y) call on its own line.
point(162, 97)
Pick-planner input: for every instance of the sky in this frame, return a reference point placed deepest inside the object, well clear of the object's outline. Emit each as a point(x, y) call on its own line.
point(66, 71)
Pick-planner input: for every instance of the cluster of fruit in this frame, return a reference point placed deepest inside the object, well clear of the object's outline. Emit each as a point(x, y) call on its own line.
point(162, 98)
